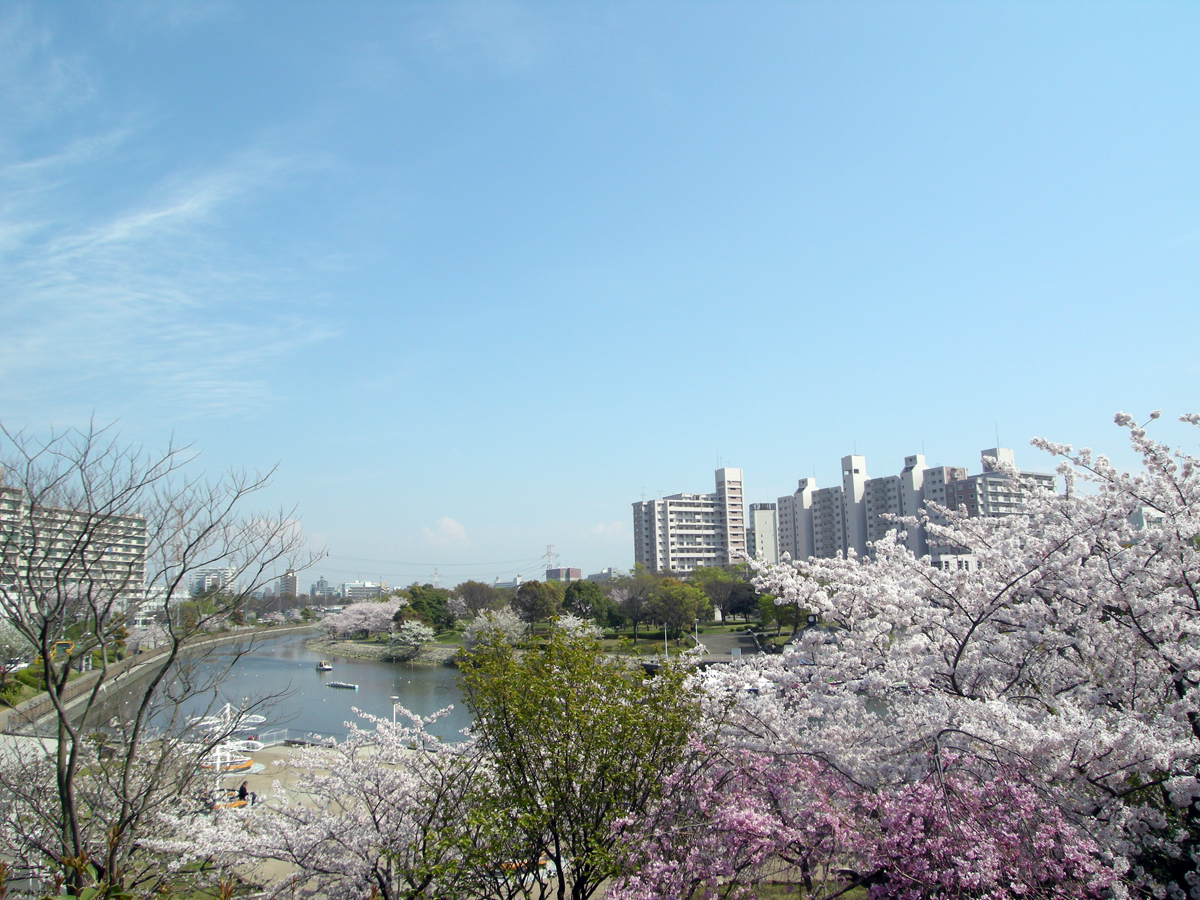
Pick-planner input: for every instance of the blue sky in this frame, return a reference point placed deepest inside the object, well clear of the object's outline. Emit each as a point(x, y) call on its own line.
point(478, 275)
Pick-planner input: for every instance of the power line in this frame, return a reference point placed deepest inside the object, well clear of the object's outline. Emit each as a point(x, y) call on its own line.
point(427, 565)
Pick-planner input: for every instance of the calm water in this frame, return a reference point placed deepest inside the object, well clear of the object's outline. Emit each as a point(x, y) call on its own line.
point(286, 665)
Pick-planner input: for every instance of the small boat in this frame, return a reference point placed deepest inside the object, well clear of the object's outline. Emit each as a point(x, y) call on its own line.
point(342, 684)
point(324, 666)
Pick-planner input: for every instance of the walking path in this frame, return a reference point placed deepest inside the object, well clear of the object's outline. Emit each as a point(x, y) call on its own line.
point(121, 673)
point(721, 645)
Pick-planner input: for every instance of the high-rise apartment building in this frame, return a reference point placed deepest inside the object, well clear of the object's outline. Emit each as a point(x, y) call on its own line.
point(762, 532)
point(796, 521)
point(288, 585)
point(44, 548)
point(825, 522)
point(682, 531)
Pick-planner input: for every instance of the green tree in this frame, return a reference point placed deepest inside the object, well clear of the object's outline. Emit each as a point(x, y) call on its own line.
point(717, 584)
point(537, 601)
point(743, 600)
point(633, 596)
point(768, 612)
point(477, 597)
point(678, 605)
point(564, 795)
point(428, 604)
point(586, 600)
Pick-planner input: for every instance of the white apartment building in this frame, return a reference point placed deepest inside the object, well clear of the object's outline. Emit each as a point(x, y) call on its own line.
point(762, 532)
point(836, 516)
point(287, 583)
point(362, 590)
point(824, 522)
point(54, 549)
point(213, 578)
point(796, 521)
point(683, 531)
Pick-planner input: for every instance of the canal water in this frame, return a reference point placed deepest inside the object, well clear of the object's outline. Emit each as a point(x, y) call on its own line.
point(284, 666)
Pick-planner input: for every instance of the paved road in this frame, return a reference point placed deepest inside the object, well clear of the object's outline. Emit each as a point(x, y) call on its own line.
point(720, 645)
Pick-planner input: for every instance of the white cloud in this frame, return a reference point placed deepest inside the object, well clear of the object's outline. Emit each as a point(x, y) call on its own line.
point(148, 298)
point(611, 530)
point(448, 533)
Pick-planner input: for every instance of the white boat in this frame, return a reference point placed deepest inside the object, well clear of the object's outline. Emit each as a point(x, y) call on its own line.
point(324, 666)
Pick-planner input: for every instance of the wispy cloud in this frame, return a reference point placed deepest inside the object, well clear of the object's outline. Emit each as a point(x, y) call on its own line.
point(147, 294)
point(37, 81)
point(447, 533)
point(500, 33)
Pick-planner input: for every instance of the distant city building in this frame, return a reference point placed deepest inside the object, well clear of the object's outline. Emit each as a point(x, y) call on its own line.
point(513, 584)
point(762, 532)
point(826, 522)
point(288, 584)
point(564, 576)
point(213, 578)
point(322, 590)
point(683, 531)
point(153, 607)
point(44, 547)
point(604, 576)
point(361, 590)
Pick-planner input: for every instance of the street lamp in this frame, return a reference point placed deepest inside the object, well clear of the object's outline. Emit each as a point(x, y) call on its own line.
point(395, 698)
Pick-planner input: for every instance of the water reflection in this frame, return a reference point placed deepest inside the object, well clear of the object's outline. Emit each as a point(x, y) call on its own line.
point(285, 666)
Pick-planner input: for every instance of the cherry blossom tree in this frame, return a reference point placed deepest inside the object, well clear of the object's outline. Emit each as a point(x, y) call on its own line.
point(379, 814)
point(90, 524)
point(1060, 676)
point(503, 622)
point(364, 618)
point(408, 639)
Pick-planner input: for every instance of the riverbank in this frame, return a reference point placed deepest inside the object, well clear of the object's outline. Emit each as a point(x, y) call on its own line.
point(430, 654)
point(130, 670)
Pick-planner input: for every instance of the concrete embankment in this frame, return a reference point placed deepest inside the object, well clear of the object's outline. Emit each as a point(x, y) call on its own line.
point(124, 674)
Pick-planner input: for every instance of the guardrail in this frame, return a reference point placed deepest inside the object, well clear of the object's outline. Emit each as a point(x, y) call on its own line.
point(293, 738)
